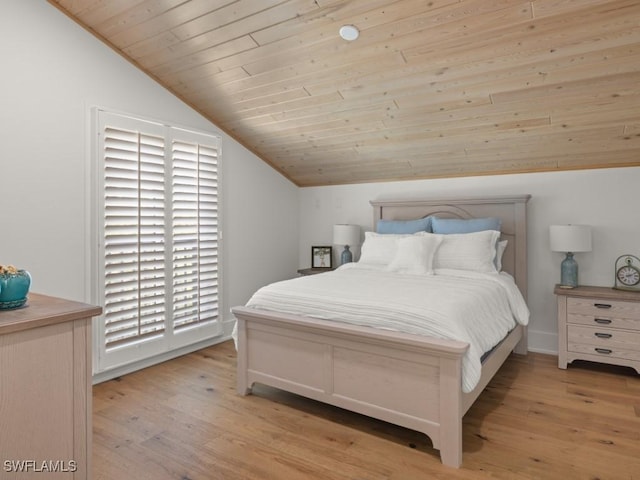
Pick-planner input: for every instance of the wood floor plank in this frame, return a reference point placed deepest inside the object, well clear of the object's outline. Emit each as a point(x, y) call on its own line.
point(183, 420)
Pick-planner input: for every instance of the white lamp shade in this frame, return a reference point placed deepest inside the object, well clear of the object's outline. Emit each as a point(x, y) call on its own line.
point(346, 234)
point(570, 238)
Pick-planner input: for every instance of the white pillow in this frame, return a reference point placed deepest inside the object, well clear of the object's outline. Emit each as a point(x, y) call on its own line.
point(414, 255)
point(468, 251)
point(502, 246)
point(380, 248)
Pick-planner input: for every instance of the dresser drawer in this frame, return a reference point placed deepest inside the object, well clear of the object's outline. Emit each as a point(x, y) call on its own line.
point(603, 321)
point(589, 351)
point(595, 306)
point(604, 338)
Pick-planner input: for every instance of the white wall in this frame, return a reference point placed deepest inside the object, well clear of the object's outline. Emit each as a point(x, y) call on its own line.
point(53, 72)
point(605, 199)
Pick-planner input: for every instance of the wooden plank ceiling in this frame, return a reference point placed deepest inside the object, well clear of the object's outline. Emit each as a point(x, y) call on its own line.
point(436, 88)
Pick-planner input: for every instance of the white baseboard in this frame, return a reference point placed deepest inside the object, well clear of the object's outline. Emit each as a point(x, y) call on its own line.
point(543, 342)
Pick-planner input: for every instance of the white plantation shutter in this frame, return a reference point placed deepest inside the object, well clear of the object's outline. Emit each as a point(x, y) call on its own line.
point(195, 233)
point(134, 229)
point(159, 238)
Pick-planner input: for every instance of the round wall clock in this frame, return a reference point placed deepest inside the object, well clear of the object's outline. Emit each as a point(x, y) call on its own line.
point(627, 270)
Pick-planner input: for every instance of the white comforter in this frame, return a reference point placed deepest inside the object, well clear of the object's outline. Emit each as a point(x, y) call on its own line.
point(476, 308)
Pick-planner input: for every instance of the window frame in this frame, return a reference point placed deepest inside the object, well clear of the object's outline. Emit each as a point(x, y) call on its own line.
point(171, 340)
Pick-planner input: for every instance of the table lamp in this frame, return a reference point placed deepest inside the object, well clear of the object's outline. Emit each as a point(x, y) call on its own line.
point(347, 235)
point(569, 239)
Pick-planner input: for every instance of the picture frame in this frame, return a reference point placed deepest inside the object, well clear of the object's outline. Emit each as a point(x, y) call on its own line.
point(321, 257)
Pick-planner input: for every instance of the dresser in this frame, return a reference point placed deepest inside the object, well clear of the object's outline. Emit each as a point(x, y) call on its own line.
point(599, 324)
point(45, 389)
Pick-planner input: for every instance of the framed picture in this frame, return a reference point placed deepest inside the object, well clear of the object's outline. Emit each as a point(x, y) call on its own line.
point(321, 257)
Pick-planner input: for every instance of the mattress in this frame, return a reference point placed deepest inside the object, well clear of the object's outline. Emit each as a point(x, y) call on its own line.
point(477, 308)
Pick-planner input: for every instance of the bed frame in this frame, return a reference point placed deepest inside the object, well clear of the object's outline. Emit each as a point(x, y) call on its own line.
point(407, 380)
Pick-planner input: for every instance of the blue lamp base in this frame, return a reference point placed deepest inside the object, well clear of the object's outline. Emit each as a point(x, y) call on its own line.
point(569, 272)
point(346, 256)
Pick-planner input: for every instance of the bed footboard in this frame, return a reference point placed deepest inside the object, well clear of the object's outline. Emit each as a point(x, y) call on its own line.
point(408, 381)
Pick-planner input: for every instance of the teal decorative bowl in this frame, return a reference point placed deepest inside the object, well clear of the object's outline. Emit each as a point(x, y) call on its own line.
point(14, 288)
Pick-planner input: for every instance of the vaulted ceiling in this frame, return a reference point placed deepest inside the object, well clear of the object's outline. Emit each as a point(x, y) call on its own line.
point(430, 89)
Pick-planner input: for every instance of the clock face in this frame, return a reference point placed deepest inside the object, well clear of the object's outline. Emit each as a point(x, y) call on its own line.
point(628, 275)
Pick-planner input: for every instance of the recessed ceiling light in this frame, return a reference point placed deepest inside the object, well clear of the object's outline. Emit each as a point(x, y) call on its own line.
point(349, 32)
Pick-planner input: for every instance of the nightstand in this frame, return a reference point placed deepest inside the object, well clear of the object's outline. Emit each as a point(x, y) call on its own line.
point(313, 271)
point(599, 324)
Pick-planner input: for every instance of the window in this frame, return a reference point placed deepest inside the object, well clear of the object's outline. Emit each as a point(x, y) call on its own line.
point(158, 238)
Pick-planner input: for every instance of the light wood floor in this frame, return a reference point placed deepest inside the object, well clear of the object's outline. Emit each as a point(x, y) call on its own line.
point(183, 420)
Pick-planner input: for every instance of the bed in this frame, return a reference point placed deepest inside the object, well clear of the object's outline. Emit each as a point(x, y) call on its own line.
point(410, 380)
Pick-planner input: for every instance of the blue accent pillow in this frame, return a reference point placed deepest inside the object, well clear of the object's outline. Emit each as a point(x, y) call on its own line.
point(404, 226)
point(458, 225)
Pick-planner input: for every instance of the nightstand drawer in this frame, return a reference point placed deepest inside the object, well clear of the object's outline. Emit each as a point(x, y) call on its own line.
point(603, 308)
point(589, 352)
point(603, 338)
point(603, 321)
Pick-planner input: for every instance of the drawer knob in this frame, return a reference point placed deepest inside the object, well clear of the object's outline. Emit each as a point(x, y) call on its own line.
point(602, 321)
point(603, 335)
point(602, 305)
point(604, 351)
